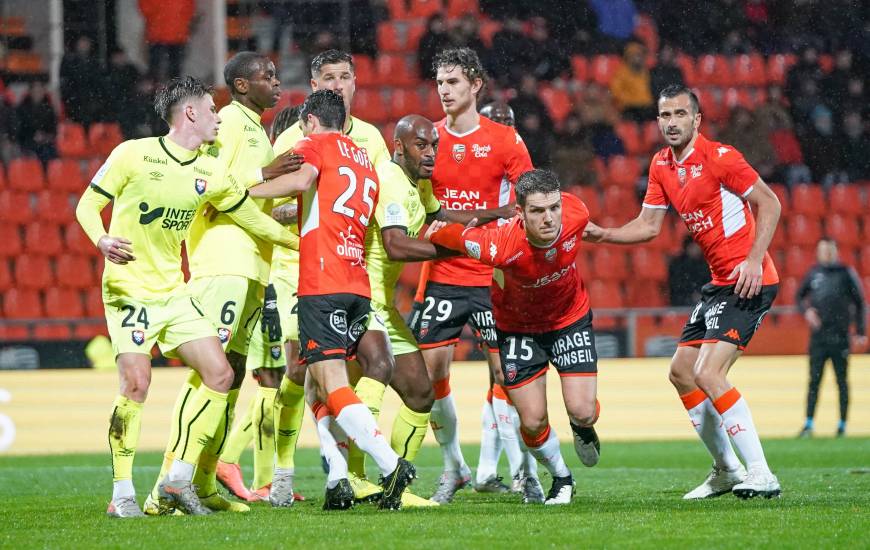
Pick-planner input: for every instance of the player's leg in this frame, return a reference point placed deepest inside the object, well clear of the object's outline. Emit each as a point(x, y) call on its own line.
point(840, 360)
point(486, 477)
point(507, 422)
point(818, 357)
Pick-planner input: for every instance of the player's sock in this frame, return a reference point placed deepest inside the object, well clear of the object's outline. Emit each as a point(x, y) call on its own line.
point(508, 420)
point(264, 436)
point(290, 413)
point(409, 430)
point(190, 386)
point(545, 448)
point(204, 477)
point(371, 393)
point(841, 426)
point(358, 423)
point(710, 428)
point(123, 437)
point(329, 446)
point(490, 444)
point(199, 422)
point(808, 425)
point(444, 426)
point(738, 423)
point(240, 436)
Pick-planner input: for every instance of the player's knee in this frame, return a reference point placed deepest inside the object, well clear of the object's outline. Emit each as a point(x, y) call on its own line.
point(680, 376)
point(534, 424)
point(422, 399)
point(707, 380)
point(270, 378)
point(220, 380)
point(583, 414)
point(135, 386)
point(380, 369)
point(296, 373)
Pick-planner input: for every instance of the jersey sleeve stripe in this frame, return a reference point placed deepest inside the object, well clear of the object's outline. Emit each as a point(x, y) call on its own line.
point(102, 191)
point(402, 227)
point(237, 205)
point(655, 206)
point(746, 194)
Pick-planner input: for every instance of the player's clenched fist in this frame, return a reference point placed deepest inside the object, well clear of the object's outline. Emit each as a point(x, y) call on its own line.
point(117, 250)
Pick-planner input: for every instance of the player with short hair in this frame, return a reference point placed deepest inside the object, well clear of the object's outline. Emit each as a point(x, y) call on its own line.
point(732, 215)
point(542, 316)
point(157, 186)
point(476, 164)
point(338, 189)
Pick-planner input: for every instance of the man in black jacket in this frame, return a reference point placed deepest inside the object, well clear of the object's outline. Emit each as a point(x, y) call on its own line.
point(830, 297)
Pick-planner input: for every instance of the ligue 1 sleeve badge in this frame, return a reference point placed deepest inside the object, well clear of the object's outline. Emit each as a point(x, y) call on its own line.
point(458, 152)
point(199, 185)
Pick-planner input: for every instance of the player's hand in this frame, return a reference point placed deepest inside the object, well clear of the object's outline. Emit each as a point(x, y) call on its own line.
point(117, 250)
point(748, 274)
point(283, 164)
point(813, 319)
point(271, 321)
point(506, 212)
point(859, 342)
point(210, 212)
point(592, 233)
point(433, 228)
point(286, 213)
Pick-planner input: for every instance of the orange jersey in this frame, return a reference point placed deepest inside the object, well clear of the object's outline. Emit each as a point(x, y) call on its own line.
point(334, 215)
point(475, 170)
point(708, 189)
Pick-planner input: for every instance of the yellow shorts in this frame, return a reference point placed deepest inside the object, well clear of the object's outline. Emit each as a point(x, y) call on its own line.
point(263, 354)
point(402, 341)
point(233, 305)
point(136, 325)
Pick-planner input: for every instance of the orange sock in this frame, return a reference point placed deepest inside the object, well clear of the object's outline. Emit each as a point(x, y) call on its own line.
point(726, 400)
point(341, 398)
point(693, 398)
point(441, 388)
point(535, 441)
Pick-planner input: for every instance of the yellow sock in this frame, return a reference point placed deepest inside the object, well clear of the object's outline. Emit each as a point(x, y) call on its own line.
point(190, 386)
point(204, 478)
point(291, 411)
point(264, 436)
point(409, 430)
point(240, 436)
point(124, 436)
point(371, 393)
point(199, 421)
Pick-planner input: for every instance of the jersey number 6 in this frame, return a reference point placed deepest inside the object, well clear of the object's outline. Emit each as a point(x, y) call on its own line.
point(340, 205)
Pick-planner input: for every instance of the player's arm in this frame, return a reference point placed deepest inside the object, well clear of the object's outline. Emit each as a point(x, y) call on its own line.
point(857, 296)
point(117, 250)
point(474, 242)
point(286, 213)
point(766, 206)
point(249, 217)
point(483, 216)
point(401, 247)
point(645, 227)
point(288, 185)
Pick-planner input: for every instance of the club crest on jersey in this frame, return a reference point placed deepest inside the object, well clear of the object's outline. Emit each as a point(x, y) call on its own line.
point(275, 351)
point(224, 334)
point(199, 185)
point(493, 250)
point(338, 321)
point(550, 255)
point(568, 245)
point(696, 170)
point(681, 175)
point(458, 152)
point(510, 371)
point(473, 249)
point(138, 337)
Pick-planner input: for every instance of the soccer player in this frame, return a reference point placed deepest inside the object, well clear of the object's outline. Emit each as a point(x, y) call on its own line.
point(732, 214)
point(476, 164)
point(542, 316)
point(158, 185)
point(229, 267)
point(499, 111)
point(338, 190)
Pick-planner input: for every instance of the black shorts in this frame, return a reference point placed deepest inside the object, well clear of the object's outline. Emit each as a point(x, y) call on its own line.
point(439, 319)
point(331, 325)
point(525, 356)
point(723, 316)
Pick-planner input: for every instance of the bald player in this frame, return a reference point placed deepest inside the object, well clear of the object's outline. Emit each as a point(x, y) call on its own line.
point(499, 111)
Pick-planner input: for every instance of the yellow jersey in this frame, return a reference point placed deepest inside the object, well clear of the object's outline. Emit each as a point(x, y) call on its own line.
point(157, 187)
point(402, 204)
point(220, 246)
point(285, 262)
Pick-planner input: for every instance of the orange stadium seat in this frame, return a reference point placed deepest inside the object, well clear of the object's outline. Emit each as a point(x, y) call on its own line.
point(713, 70)
point(15, 206)
point(777, 67)
point(749, 70)
point(580, 68)
point(32, 271)
point(42, 238)
point(2, 177)
point(370, 105)
point(645, 293)
point(849, 256)
point(620, 202)
point(645, 29)
point(687, 66)
point(788, 287)
point(93, 166)
point(75, 271)
point(398, 9)
point(488, 28)
point(54, 207)
point(94, 306)
point(711, 105)
point(10, 240)
point(826, 62)
point(395, 69)
point(63, 303)
point(844, 230)
point(5, 275)
point(424, 8)
point(22, 303)
point(742, 97)
point(603, 68)
point(605, 295)
point(590, 197)
point(390, 39)
point(387, 130)
point(432, 108)
point(404, 101)
point(781, 192)
point(648, 263)
point(75, 240)
point(557, 101)
point(803, 230)
point(609, 263)
point(458, 8)
point(629, 132)
point(808, 199)
point(25, 174)
point(623, 171)
point(798, 260)
point(364, 69)
point(846, 199)
point(65, 175)
point(88, 330)
point(103, 137)
point(651, 136)
point(71, 140)
point(865, 282)
point(414, 31)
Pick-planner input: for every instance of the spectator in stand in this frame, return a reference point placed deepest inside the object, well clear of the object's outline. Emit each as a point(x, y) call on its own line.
point(687, 273)
point(856, 147)
point(79, 72)
point(806, 69)
point(855, 99)
point(139, 119)
point(528, 102)
point(805, 103)
point(616, 22)
point(466, 34)
point(548, 60)
point(631, 85)
point(433, 41)
point(572, 155)
point(823, 148)
point(836, 83)
point(749, 137)
point(600, 117)
point(511, 52)
point(167, 30)
point(666, 71)
point(120, 84)
point(8, 128)
point(537, 137)
point(37, 123)
point(773, 117)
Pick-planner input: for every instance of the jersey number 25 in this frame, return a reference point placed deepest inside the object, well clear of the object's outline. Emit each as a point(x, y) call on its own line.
point(340, 204)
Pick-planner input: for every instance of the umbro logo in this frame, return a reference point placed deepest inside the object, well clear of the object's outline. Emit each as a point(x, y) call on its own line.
point(253, 142)
point(155, 175)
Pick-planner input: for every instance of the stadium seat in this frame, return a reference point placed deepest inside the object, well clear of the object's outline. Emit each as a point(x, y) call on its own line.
point(826, 62)
point(86, 330)
point(458, 8)
point(652, 136)
point(55, 206)
point(739, 97)
point(645, 30)
point(557, 101)
point(590, 197)
point(713, 70)
point(22, 303)
point(432, 108)
point(424, 8)
point(42, 238)
point(71, 141)
point(15, 206)
point(808, 199)
point(414, 31)
point(803, 230)
point(603, 68)
point(629, 132)
point(608, 263)
point(75, 271)
point(395, 69)
point(390, 38)
point(648, 264)
point(63, 303)
point(32, 271)
point(94, 306)
point(10, 240)
point(687, 66)
point(364, 69)
point(749, 70)
point(846, 199)
point(777, 67)
point(711, 105)
point(75, 240)
point(387, 131)
point(369, 104)
point(781, 192)
point(605, 294)
point(103, 137)
point(25, 174)
point(645, 293)
point(3, 182)
point(5, 275)
point(788, 287)
point(623, 171)
point(844, 230)
point(397, 9)
point(580, 68)
point(620, 202)
point(65, 175)
point(865, 282)
point(404, 101)
point(798, 260)
point(93, 167)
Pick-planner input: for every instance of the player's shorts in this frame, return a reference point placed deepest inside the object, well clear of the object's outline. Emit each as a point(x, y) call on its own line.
point(233, 303)
point(136, 325)
point(446, 309)
point(331, 325)
point(401, 338)
point(723, 316)
point(525, 356)
point(263, 354)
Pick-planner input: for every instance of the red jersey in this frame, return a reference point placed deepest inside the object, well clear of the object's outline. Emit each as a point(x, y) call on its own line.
point(537, 289)
point(334, 215)
point(708, 189)
point(475, 170)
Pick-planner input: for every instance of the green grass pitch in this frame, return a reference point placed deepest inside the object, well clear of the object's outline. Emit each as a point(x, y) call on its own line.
point(630, 500)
